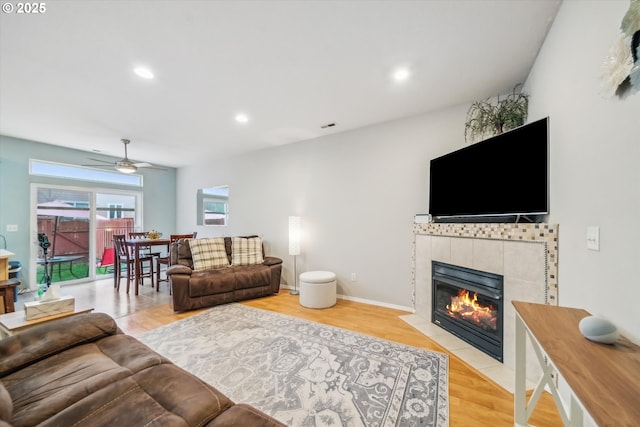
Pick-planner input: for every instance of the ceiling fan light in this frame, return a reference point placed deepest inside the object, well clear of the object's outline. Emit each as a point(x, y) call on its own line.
point(126, 168)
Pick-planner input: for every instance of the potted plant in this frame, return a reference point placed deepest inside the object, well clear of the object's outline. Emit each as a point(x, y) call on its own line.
point(486, 119)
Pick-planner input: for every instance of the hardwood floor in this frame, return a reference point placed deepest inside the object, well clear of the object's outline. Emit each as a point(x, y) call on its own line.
point(474, 400)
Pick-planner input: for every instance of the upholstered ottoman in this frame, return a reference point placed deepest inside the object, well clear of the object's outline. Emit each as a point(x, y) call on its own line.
point(317, 289)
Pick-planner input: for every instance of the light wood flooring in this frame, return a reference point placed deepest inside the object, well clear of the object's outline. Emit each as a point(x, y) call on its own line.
point(474, 400)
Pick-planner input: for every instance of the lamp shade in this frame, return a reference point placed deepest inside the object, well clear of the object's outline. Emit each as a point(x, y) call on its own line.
point(294, 235)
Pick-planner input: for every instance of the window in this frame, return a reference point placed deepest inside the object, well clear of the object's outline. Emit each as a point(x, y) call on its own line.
point(115, 210)
point(60, 170)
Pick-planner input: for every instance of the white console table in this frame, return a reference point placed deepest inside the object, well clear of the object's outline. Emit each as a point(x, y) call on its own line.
point(604, 379)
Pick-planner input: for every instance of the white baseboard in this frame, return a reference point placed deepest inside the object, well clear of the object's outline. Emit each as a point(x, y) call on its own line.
point(366, 301)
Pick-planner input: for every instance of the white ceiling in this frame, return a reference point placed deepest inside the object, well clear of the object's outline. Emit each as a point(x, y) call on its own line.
point(66, 75)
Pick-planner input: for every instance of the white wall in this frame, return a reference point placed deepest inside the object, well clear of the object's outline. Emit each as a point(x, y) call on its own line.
point(595, 162)
point(357, 193)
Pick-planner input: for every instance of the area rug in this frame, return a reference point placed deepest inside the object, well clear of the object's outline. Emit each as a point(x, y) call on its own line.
point(308, 374)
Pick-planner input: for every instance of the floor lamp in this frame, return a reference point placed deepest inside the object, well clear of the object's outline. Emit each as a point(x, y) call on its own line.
point(294, 248)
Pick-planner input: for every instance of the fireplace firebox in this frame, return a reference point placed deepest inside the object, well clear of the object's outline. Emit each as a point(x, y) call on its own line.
point(469, 304)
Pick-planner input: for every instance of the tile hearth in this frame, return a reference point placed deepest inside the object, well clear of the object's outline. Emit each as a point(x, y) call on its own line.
point(491, 368)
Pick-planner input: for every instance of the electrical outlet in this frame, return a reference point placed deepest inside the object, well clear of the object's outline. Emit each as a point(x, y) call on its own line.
point(12, 227)
point(354, 277)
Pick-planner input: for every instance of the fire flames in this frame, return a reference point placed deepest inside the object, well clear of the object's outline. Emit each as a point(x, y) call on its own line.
point(467, 308)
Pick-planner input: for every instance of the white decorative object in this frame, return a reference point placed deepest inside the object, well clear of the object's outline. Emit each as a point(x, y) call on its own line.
point(37, 309)
point(599, 330)
point(616, 66)
point(52, 293)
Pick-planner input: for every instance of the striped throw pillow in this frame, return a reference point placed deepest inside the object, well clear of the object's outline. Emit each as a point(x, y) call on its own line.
point(246, 251)
point(208, 253)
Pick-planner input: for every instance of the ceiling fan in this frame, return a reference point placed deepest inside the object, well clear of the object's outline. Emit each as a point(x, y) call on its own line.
point(125, 165)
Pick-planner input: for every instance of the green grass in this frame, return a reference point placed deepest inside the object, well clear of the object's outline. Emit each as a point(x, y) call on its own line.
point(78, 271)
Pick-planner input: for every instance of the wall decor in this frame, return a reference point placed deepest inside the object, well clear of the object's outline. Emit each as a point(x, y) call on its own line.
point(486, 118)
point(621, 66)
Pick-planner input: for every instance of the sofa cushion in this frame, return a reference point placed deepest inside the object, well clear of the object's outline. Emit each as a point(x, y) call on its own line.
point(80, 371)
point(115, 381)
point(208, 253)
point(251, 276)
point(162, 395)
point(203, 283)
point(47, 339)
point(246, 251)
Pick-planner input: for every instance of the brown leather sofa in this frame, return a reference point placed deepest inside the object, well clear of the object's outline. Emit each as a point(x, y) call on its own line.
point(196, 289)
point(83, 371)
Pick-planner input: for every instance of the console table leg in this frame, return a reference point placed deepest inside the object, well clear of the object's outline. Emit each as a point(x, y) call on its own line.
point(520, 395)
point(576, 412)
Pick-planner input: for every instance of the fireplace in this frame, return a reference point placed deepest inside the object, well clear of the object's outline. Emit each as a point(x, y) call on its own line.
point(469, 304)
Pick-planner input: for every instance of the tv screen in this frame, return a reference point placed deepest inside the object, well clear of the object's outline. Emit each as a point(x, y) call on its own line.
point(503, 175)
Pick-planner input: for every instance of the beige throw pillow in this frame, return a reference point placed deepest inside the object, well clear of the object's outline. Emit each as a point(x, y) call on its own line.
point(246, 251)
point(208, 253)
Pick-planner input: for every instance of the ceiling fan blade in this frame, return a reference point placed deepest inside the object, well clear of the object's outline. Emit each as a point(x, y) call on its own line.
point(148, 166)
point(98, 160)
point(99, 166)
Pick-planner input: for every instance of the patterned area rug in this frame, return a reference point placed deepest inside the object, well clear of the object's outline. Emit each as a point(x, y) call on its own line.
point(305, 373)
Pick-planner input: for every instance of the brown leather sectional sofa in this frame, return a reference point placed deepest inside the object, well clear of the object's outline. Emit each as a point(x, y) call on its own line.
point(83, 371)
point(196, 289)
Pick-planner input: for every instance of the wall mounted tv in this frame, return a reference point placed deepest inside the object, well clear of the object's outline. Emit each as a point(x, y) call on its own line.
point(502, 178)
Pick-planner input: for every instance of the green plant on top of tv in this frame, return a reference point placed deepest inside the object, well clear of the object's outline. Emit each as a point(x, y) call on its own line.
point(489, 118)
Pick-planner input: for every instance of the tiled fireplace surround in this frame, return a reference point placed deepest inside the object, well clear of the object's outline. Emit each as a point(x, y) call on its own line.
point(525, 254)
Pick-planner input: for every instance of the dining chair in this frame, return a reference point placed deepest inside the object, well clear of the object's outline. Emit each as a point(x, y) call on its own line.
point(125, 258)
point(137, 234)
point(146, 250)
point(166, 260)
point(108, 260)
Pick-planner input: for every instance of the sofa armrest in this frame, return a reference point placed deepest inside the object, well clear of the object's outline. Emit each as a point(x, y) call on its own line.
point(178, 269)
point(42, 341)
point(271, 260)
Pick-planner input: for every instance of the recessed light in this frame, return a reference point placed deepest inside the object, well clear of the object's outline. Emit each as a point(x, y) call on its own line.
point(401, 74)
point(242, 118)
point(143, 72)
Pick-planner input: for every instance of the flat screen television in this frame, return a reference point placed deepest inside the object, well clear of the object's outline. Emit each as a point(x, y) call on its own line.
point(503, 176)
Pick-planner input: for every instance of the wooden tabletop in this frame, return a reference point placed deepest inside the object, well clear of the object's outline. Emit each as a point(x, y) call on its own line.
point(147, 242)
point(605, 378)
point(17, 320)
point(5, 253)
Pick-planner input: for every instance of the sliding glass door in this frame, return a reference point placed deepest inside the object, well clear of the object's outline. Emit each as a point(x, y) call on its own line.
point(74, 230)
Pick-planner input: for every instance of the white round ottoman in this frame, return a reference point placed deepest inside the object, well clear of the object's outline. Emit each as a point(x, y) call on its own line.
point(317, 289)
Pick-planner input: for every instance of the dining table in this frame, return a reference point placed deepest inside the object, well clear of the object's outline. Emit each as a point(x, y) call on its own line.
point(136, 245)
